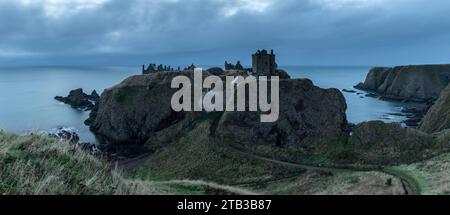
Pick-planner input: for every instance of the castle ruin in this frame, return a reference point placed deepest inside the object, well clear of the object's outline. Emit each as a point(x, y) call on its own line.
point(264, 63)
point(230, 66)
point(153, 68)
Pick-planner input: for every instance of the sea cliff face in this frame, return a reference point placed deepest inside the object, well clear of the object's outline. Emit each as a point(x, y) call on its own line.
point(131, 112)
point(416, 83)
point(308, 114)
point(438, 117)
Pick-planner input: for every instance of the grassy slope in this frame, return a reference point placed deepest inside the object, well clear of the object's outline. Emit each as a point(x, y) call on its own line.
point(194, 155)
point(431, 177)
point(36, 164)
point(415, 146)
point(351, 183)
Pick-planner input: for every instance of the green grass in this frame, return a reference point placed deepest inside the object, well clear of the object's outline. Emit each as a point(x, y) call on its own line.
point(194, 155)
point(431, 177)
point(417, 182)
point(188, 162)
point(346, 183)
point(37, 164)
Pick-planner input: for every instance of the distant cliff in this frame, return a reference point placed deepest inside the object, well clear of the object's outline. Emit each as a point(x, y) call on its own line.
point(416, 83)
point(438, 117)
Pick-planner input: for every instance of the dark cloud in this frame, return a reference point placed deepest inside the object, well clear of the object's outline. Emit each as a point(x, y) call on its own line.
point(362, 32)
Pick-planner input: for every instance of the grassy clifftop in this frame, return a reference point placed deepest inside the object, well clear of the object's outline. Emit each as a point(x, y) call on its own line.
point(39, 165)
point(35, 164)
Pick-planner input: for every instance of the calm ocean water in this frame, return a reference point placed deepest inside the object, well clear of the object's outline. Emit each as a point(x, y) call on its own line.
point(27, 104)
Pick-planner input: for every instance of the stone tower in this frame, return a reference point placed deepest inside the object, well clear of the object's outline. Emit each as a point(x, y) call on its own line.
point(264, 63)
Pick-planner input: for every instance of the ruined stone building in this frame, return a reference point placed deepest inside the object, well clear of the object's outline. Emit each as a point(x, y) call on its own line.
point(230, 66)
point(153, 68)
point(264, 63)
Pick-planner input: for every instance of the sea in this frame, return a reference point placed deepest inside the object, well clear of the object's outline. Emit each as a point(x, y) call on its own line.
point(27, 94)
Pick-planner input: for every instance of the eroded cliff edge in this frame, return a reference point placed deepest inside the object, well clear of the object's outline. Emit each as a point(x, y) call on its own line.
point(438, 117)
point(414, 83)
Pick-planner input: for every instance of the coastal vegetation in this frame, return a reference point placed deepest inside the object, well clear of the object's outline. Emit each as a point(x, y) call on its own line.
point(36, 164)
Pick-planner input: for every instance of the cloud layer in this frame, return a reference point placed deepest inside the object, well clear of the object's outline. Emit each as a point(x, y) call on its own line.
point(319, 32)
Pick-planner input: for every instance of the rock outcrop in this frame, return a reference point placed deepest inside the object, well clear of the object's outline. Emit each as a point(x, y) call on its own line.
point(131, 112)
point(415, 83)
point(282, 74)
point(65, 134)
point(307, 114)
point(438, 117)
point(80, 100)
point(379, 143)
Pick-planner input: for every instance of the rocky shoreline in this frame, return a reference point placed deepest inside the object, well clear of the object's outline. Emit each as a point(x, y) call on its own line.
point(70, 135)
point(420, 84)
point(412, 112)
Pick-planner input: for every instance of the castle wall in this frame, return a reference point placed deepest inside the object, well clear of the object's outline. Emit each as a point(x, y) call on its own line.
point(263, 63)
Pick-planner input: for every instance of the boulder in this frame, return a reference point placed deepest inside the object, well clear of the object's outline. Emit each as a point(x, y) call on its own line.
point(414, 83)
point(438, 117)
point(65, 134)
point(349, 91)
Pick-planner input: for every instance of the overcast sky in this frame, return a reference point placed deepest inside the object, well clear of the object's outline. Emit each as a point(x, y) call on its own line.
point(207, 32)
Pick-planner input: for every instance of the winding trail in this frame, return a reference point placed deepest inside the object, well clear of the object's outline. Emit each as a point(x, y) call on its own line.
point(288, 164)
point(405, 183)
point(132, 163)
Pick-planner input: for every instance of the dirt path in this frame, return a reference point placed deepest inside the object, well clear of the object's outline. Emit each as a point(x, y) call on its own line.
point(130, 164)
point(407, 187)
point(289, 164)
point(405, 184)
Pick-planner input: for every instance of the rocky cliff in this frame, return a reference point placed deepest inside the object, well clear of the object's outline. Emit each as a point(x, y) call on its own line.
point(417, 83)
point(134, 110)
point(307, 114)
point(438, 117)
